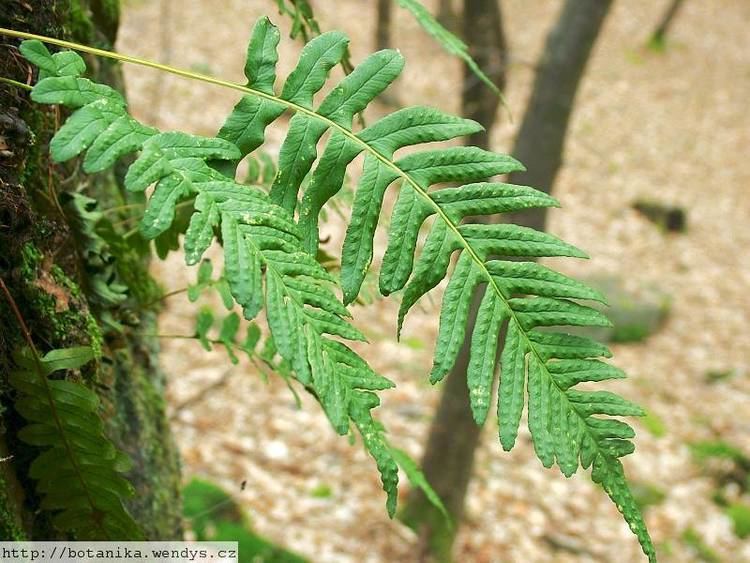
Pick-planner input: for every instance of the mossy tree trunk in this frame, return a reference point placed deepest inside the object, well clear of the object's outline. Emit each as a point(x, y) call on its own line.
point(453, 437)
point(76, 281)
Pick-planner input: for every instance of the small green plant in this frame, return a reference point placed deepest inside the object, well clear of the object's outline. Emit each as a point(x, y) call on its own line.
point(78, 473)
point(270, 241)
point(654, 424)
point(213, 515)
point(739, 513)
point(697, 544)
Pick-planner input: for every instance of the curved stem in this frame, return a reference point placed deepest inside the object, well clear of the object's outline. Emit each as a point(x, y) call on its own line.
point(165, 296)
point(16, 83)
point(118, 208)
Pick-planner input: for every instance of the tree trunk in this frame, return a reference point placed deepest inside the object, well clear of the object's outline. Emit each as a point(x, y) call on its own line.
point(449, 455)
point(660, 33)
point(483, 30)
point(540, 142)
point(383, 29)
point(63, 276)
point(446, 15)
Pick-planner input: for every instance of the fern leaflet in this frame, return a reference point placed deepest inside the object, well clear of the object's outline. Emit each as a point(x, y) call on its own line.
point(450, 42)
point(78, 474)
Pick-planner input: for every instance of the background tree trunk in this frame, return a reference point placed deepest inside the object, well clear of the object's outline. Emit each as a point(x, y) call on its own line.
point(453, 437)
point(383, 28)
point(540, 143)
point(449, 456)
point(659, 35)
point(46, 262)
point(446, 15)
point(484, 35)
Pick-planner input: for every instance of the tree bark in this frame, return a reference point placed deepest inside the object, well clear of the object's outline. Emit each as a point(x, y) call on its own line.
point(483, 30)
point(45, 261)
point(540, 143)
point(453, 437)
point(446, 15)
point(660, 32)
point(383, 29)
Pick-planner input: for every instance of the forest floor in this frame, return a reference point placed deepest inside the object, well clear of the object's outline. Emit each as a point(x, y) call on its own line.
point(668, 126)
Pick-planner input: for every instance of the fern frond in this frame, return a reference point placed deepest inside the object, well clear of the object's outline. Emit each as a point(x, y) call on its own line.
point(563, 424)
point(448, 41)
point(264, 246)
point(79, 472)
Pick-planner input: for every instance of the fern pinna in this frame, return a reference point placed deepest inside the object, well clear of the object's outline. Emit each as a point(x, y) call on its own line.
point(270, 240)
point(78, 474)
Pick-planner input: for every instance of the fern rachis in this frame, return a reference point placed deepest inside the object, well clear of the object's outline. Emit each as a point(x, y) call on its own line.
point(262, 241)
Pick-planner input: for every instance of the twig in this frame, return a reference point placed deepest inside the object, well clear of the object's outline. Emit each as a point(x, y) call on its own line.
point(202, 394)
point(15, 83)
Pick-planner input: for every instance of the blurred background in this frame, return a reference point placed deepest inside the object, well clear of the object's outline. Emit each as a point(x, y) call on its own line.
point(634, 113)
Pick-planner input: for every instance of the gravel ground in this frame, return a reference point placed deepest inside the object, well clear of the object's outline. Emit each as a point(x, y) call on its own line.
point(667, 126)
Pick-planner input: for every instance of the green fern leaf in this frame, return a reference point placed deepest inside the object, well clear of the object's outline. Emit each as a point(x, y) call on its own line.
point(372, 436)
point(78, 473)
point(266, 248)
point(453, 316)
point(480, 373)
point(64, 63)
point(447, 40)
point(512, 384)
point(418, 479)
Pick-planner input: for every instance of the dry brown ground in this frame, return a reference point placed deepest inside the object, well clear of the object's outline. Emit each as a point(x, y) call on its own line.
point(672, 126)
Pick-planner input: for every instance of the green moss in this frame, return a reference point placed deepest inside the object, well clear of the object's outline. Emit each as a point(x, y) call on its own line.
point(59, 276)
point(10, 506)
point(54, 294)
point(31, 258)
point(74, 324)
point(79, 24)
point(136, 420)
point(96, 338)
point(10, 529)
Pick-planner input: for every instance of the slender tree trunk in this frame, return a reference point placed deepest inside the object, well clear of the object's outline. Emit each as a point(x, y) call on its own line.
point(47, 262)
point(383, 41)
point(446, 15)
point(383, 29)
point(540, 143)
point(449, 455)
point(659, 35)
point(483, 30)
